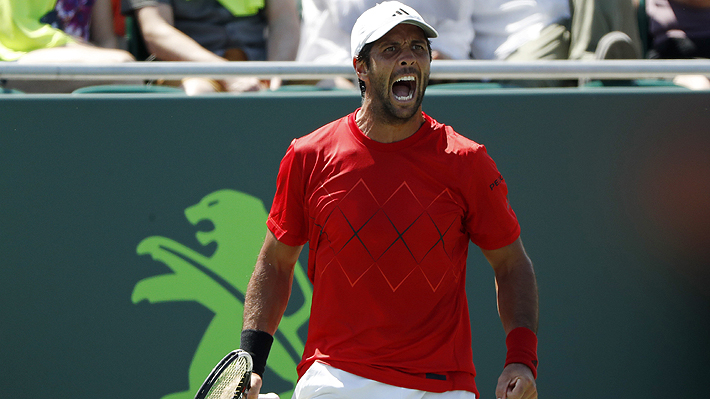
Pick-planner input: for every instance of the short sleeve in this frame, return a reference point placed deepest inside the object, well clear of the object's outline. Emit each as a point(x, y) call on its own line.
point(490, 220)
point(287, 218)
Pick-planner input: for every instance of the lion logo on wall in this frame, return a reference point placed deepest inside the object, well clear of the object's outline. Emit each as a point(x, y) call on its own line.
point(219, 282)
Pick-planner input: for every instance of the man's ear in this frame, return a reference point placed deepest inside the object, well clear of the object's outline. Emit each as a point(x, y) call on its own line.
point(360, 69)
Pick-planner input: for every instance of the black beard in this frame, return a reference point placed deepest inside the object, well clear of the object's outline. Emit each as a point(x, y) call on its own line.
point(386, 111)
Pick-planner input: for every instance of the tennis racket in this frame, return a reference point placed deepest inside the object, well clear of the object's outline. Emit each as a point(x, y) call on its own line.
point(230, 379)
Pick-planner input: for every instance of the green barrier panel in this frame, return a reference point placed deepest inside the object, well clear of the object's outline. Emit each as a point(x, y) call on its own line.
point(129, 225)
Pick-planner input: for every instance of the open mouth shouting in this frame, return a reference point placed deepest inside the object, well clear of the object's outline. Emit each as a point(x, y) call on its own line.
point(403, 89)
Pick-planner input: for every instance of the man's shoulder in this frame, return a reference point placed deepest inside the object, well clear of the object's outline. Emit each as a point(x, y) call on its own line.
point(455, 141)
point(324, 135)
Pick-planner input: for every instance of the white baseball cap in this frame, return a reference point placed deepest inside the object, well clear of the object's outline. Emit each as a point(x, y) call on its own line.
point(380, 19)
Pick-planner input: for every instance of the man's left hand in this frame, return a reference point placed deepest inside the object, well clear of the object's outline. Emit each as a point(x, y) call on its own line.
point(516, 382)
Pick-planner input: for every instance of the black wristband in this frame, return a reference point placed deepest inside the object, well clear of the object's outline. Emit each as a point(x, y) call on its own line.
point(258, 344)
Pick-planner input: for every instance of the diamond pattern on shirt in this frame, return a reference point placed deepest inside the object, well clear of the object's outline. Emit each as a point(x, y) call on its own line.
point(398, 237)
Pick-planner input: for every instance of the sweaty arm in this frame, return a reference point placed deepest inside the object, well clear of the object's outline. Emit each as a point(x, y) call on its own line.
point(270, 285)
point(518, 307)
point(268, 292)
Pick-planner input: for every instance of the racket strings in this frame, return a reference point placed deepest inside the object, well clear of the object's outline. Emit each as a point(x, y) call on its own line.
point(233, 380)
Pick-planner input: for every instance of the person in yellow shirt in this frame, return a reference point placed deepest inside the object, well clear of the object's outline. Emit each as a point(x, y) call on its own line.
point(82, 33)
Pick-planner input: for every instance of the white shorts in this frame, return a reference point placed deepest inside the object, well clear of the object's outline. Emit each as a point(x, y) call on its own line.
point(325, 382)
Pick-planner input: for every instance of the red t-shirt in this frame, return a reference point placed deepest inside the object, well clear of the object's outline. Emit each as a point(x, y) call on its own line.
point(388, 227)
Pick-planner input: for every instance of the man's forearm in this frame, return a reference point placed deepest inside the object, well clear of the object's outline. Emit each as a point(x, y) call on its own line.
point(518, 297)
point(270, 285)
point(267, 297)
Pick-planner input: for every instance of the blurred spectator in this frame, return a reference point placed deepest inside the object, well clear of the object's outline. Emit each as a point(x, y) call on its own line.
point(680, 29)
point(555, 29)
point(604, 29)
point(218, 31)
point(505, 27)
point(487, 29)
point(327, 25)
point(51, 31)
point(119, 24)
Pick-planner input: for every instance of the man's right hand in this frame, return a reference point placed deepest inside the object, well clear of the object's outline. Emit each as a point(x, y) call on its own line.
point(256, 387)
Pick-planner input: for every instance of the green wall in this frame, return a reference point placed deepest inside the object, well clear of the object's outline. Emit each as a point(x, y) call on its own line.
point(122, 270)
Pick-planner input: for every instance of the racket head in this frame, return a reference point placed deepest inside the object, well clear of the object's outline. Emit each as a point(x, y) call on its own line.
point(230, 378)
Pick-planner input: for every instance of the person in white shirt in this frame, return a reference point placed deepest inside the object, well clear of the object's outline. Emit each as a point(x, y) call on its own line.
point(327, 25)
point(525, 30)
point(515, 30)
point(503, 26)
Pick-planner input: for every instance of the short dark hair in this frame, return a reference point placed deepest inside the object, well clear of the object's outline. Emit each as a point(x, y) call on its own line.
point(364, 56)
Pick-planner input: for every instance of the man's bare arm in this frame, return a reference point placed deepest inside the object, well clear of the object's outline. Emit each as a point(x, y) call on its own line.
point(270, 285)
point(516, 286)
point(268, 292)
point(518, 307)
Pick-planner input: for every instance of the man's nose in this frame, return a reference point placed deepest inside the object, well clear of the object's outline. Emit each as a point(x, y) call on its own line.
point(408, 57)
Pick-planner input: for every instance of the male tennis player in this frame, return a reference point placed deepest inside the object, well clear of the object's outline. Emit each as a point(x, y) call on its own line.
point(388, 199)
